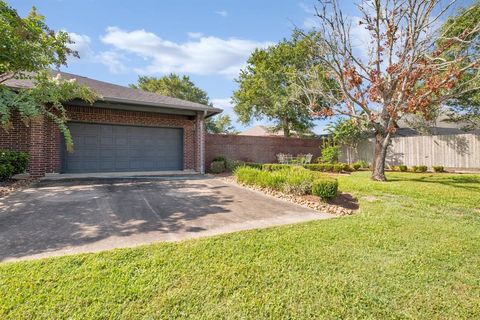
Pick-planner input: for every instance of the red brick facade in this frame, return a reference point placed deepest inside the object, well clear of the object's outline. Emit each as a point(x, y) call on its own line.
point(42, 138)
point(256, 148)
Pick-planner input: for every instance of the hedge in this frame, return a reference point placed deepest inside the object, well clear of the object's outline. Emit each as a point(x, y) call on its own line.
point(12, 162)
point(292, 179)
point(325, 188)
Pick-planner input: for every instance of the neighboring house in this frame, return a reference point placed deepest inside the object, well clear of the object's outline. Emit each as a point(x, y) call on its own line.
point(266, 131)
point(127, 130)
point(414, 126)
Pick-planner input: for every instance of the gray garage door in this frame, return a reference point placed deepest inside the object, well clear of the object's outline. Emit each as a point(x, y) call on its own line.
point(107, 148)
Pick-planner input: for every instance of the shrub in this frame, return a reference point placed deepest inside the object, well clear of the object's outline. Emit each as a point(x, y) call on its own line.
point(231, 165)
point(217, 166)
point(274, 166)
point(419, 168)
point(438, 168)
point(253, 165)
point(220, 158)
point(325, 188)
point(363, 164)
point(12, 162)
point(297, 180)
point(315, 167)
point(337, 167)
point(422, 168)
point(403, 168)
point(247, 175)
point(330, 154)
point(356, 166)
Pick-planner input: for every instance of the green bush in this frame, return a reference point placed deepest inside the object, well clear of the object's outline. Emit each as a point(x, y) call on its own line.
point(338, 167)
point(363, 164)
point(330, 154)
point(12, 162)
point(325, 188)
point(438, 168)
point(247, 175)
point(292, 179)
point(271, 180)
point(403, 168)
point(356, 166)
point(315, 167)
point(253, 165)
point(231, 165)
point(274, 166)
point(220, 158)
point(419, 169)
point(297, 180)
point(217, 166)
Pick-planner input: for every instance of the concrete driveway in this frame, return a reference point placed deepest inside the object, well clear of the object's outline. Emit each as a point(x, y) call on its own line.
point(63, 217)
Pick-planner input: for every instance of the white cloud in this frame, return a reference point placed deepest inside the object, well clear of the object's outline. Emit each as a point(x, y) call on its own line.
point(206, 55)
point(310, 22)
point(195, 35)
point(360, 38)
point(222, 13)
point(81, 44)
point(111, 59)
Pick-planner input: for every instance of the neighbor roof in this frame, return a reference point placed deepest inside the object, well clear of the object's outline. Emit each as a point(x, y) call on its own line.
point(119, 94)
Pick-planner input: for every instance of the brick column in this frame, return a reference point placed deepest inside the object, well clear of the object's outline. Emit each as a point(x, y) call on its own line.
point(36, 148)
point(200, 143)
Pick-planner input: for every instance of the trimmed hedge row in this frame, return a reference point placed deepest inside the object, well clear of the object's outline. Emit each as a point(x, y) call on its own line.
point(291, 179)
point(12, 163)
point(421, 169)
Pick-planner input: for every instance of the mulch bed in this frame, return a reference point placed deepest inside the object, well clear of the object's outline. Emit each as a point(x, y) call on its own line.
point(344, 205)
point(10, 185)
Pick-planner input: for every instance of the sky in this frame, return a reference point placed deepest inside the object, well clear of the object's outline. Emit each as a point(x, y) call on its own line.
point(207, 40)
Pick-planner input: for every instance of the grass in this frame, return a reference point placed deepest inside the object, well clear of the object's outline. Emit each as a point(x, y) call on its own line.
point(412, 252)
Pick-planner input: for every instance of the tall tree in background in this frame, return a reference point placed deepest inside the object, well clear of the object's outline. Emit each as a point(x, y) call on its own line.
point(405, 71)
point(349, 133)
point(28, 49)
point(267, 88)
point(182, 87)
point(465, 108)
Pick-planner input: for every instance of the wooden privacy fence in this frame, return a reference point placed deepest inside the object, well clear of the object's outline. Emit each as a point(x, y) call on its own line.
point(451, 151)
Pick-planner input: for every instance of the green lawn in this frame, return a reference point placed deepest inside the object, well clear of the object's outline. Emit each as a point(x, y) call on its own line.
point(412, 252)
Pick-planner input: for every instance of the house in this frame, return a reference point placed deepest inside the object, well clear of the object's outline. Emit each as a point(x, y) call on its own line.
point(127, 130)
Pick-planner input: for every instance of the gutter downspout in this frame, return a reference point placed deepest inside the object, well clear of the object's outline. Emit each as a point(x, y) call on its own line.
point(202, 142)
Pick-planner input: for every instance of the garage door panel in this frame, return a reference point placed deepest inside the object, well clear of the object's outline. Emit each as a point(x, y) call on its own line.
point(104, 148)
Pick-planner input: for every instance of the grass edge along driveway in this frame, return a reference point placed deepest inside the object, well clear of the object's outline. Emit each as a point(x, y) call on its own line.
point(412, 252)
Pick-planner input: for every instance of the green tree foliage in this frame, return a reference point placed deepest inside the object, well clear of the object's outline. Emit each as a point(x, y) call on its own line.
point(182, 87)
point(268, 88)
point(465, 108)
point(220, 124)
point(28, 49)
point(174, 86)
point(349, 132)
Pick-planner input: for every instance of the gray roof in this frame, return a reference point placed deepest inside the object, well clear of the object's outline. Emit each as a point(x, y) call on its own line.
point(119, 94)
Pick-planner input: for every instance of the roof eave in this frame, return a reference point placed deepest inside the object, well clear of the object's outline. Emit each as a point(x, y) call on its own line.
point(210, 110)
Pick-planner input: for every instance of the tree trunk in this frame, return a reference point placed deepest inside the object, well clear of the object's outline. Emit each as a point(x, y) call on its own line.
point(382, 141)
point(286, 129)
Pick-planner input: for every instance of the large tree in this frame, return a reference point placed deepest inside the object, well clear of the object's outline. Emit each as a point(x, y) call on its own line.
point(267, 88)
point(465, 108)
point(404, 71)
point(28, 49)
point(181, 87)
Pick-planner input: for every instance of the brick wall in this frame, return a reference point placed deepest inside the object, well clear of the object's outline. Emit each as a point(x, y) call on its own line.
point(255, 148)
point(41, 138)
